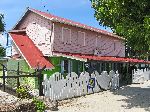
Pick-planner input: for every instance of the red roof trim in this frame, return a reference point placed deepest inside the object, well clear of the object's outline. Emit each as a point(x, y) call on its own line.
point(30, 52)
point(104, 58)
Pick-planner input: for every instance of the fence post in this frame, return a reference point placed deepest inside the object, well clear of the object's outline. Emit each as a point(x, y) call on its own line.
point(40, 84)
point(4, 78)
point(40, 77)
point(18, 84)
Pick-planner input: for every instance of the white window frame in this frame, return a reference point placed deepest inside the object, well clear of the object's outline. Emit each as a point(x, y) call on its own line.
point(83, 37)
point(63, 34)
point(62, 66)
point(69, 66)
point(48, 39)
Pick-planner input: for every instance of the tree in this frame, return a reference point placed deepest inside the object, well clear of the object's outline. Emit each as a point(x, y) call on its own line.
point(2, 24)
point(2, 51)
point(2, 29)
point(127, 18)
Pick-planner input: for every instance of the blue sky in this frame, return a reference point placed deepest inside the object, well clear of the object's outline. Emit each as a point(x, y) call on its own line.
point(77, 10)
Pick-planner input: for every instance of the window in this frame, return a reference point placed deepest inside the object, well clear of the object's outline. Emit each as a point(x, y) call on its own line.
point(48, 36)
point(66, 66)
point(87, 65)
point(81, 38)
point(69, 66)
point(80, 67)
point(103, 66)
point(100, 68)
point(107, 67)
point(114, 66)
point(66, 35)
point(93, 65)
point(62, 67)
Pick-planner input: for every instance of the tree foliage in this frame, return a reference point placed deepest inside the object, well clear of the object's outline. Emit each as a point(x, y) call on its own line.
point(2, 24)
point(127, 18)
point(2, 51)
point(2, 29)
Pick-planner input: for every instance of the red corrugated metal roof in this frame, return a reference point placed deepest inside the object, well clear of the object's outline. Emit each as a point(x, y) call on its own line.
point(73, 23)
point(29, 51)
point(104, 58)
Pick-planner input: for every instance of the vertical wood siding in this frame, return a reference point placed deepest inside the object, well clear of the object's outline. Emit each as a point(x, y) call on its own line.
point(39, 31)
point(32, 17)
point(107, 45)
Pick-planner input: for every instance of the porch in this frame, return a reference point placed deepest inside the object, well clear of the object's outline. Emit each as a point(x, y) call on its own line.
point(80, 75)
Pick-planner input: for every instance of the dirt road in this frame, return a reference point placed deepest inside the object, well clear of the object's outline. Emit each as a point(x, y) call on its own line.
point(132, 98)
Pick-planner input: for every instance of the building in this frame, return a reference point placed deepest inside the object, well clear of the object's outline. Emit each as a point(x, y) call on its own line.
point(65, 46)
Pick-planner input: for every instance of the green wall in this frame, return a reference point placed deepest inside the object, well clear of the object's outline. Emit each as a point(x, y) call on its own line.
point(56, 61)
point(23, 66)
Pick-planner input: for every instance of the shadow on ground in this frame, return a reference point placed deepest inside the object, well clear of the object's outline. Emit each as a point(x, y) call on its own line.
point(135, 97)
point(8, 90)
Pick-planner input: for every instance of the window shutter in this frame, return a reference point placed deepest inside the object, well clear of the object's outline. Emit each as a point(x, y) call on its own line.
point(69, 66)
point(66, 35)
point(81, 38)
point(62, 66)
point(100, 67)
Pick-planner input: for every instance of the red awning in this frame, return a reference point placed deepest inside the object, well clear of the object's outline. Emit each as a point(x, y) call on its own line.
point(29, 51)
point(102, 58)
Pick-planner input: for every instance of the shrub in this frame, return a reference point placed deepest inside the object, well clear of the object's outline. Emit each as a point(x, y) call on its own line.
point(22, 92)
point(39, 105)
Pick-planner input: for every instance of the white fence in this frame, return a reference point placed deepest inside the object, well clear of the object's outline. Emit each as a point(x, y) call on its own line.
point(139, 76)
point(58, 88)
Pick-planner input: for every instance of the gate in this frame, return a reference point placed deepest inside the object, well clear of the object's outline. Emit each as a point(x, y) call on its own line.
point(16, 78)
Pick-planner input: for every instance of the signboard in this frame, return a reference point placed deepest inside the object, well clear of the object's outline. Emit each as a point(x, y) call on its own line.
point(91, 83)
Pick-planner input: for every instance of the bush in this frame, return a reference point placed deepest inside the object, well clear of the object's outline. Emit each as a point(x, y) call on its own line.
point(22, 92)
point(39, 105)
